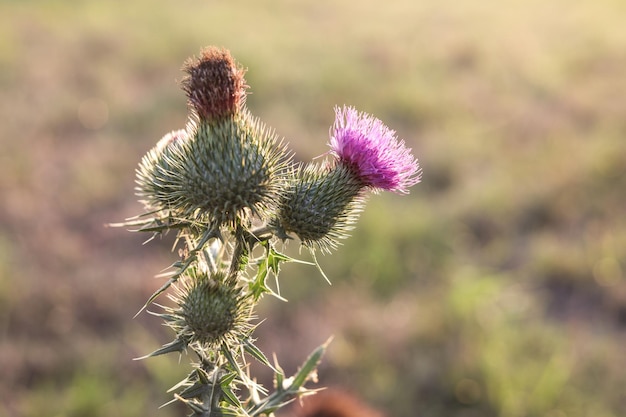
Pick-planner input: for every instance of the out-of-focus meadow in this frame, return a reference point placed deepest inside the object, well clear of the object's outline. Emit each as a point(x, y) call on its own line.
point(496, 288)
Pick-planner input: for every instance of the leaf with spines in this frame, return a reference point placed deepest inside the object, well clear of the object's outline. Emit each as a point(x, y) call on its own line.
point(269, 263)
point(176, 345)
point(182, 265)
point(226, 383)
point(289, 389)
point(308, 368)
point(256, 353)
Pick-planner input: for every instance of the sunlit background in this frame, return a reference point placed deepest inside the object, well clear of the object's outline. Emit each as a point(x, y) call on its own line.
point(496, 288)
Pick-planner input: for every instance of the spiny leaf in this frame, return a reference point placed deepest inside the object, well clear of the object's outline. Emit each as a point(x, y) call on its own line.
point(257, 285)
point(158, 292)
point(230, 397)
point(308, 367)
point(181, 267)
point(228, 378)
point(256, 353)
point(174, 346)
point(235, 366)
point(271, 262)
point(194, 391)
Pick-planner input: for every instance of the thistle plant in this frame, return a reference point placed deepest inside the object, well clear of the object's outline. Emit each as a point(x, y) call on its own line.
point(226, 185)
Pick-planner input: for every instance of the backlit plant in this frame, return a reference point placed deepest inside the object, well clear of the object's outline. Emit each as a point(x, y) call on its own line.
point(226, 185)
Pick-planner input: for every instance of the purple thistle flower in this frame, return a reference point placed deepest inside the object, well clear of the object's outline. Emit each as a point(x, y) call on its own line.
point(373, 151)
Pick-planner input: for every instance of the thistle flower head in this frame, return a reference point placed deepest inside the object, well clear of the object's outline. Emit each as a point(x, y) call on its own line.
point(215, 86)
point(373, 151)
point(211, 311)
point(223, 171)
point(321, 205)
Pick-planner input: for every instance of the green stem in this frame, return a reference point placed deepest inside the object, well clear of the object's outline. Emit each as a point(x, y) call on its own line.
point(241, 253)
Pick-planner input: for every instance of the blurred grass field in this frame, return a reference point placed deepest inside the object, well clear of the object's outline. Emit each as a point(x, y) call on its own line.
point(497, 288)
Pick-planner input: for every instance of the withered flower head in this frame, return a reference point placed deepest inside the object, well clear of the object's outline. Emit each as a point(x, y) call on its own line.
point(215, 85)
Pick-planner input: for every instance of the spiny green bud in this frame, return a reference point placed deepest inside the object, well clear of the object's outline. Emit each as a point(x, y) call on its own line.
point(226, 170)
point(215, 86)
point(211, 310)
point(215, 172)
point(152, 166)
point(321, 205)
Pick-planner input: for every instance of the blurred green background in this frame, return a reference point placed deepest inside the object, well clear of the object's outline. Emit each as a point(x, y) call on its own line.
point(497, 288)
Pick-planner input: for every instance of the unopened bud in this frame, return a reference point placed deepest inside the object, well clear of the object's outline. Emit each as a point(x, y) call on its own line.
point(210, 310)
point(321, 205)
point(156, 164)
point(223, 171)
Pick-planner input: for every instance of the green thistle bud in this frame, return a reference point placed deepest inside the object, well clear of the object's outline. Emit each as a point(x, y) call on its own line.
point(152, 166)
point(321, 205)
point(226, 170)
point(211, 311)
point(215, 86)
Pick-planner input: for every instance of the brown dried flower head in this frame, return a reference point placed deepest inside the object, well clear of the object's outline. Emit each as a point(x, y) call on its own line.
point(215, 85)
